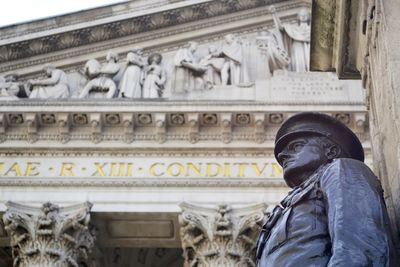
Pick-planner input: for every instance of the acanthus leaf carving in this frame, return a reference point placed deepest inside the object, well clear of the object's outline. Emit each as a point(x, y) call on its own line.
point(49, 236)
point(221, 236)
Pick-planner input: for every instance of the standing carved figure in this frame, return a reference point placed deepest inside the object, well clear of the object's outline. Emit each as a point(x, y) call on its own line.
point(102, 84)
point(234, 70)
point(275, 57)
point(295, 39)
point(132, 80)
point(335, 215)
point(155, 77)
point(54, 86)
point(188, 72)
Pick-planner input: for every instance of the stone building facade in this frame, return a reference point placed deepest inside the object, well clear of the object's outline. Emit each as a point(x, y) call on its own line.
point(359, 39)
point(141, 134)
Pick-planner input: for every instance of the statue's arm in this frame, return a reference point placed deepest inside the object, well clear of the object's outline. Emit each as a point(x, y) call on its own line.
point(53, 80)
point(277, 21)
point(357, 217)
point(110, 69)
point(136, 60)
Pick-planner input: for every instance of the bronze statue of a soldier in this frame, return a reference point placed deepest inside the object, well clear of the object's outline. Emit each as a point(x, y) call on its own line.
point(335, 215)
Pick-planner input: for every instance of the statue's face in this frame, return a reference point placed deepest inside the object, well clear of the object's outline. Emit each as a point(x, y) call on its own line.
point(11, 78)
point(193, 47)
point(300, 158)
point(303, 16)
point(48, 71)
point(212, 49)
point(229, 38)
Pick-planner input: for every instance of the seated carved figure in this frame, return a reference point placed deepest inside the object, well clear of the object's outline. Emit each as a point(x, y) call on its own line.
point(188, 72)
point(335, 215)
point(9, 87)
point(213, 63)
point(55, 86)
point(101, 84)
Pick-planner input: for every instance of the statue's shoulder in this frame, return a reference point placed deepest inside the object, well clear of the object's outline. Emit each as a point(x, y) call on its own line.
point(348, 171)
point(344, 163)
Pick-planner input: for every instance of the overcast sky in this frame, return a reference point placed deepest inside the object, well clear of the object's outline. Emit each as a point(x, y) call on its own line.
point(16, 11)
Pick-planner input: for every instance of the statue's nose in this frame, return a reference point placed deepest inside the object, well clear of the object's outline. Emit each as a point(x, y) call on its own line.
point(282, 156)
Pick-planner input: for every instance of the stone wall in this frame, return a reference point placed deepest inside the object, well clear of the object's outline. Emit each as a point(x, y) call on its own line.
point(382, 80)
point(363, 38)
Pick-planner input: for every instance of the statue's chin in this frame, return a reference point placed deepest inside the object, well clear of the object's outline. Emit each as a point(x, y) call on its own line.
point(295, 176)
point(289, 179)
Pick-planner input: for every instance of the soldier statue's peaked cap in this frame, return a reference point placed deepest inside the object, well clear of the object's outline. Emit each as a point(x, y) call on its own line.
point(311, 123)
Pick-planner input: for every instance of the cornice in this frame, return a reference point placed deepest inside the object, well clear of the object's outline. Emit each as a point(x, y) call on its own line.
point(139, 125)
point(120, 104)
point(145, 182)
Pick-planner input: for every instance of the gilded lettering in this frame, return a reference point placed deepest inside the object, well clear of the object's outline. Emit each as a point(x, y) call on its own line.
point(99, 169)
point(31, 169)
point(13, 169)
point(241, 168)
point(113, 169)
point(194, 168)
point(153, 169)
point(276, 170)
point(227, 169)
point(67, 169)
point(213, 169)
point(175, 169)
point(257, 169)
point(129, 169)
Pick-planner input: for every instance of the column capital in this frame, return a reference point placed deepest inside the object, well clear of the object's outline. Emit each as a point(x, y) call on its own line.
point(50, 235)
point(220, 236)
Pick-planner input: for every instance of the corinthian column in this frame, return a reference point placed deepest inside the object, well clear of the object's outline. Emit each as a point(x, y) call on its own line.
point(49, 236)
point(220, 236)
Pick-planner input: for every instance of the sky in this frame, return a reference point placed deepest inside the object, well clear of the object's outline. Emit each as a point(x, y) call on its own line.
point(17, 11)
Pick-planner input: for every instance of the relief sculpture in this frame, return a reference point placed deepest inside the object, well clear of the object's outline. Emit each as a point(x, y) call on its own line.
point(54, 86)
point(132, 80)
point(155, 77)
point(218, 68)
point(9, 87)
point(295, 38)
point(101, 84)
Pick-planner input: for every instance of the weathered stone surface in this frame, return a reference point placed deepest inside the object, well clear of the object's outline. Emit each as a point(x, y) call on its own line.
point(367, 35)
point(49, 236)
point(221, 236)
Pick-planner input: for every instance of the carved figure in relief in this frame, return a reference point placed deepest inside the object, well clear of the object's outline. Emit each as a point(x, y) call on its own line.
point(54, 86)
point(276, 57)
point(132, 79)
point(234, 70)
point(188, 72)
point(101, 84)
point(155, 77)
point(335, 215)
point(295, 39)
point(213, 63)
point(9, 87)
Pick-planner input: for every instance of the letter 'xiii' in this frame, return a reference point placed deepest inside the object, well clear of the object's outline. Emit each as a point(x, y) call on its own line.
point(335, 215)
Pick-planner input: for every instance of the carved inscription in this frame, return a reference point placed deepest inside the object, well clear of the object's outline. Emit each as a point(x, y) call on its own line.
point(141, 167)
